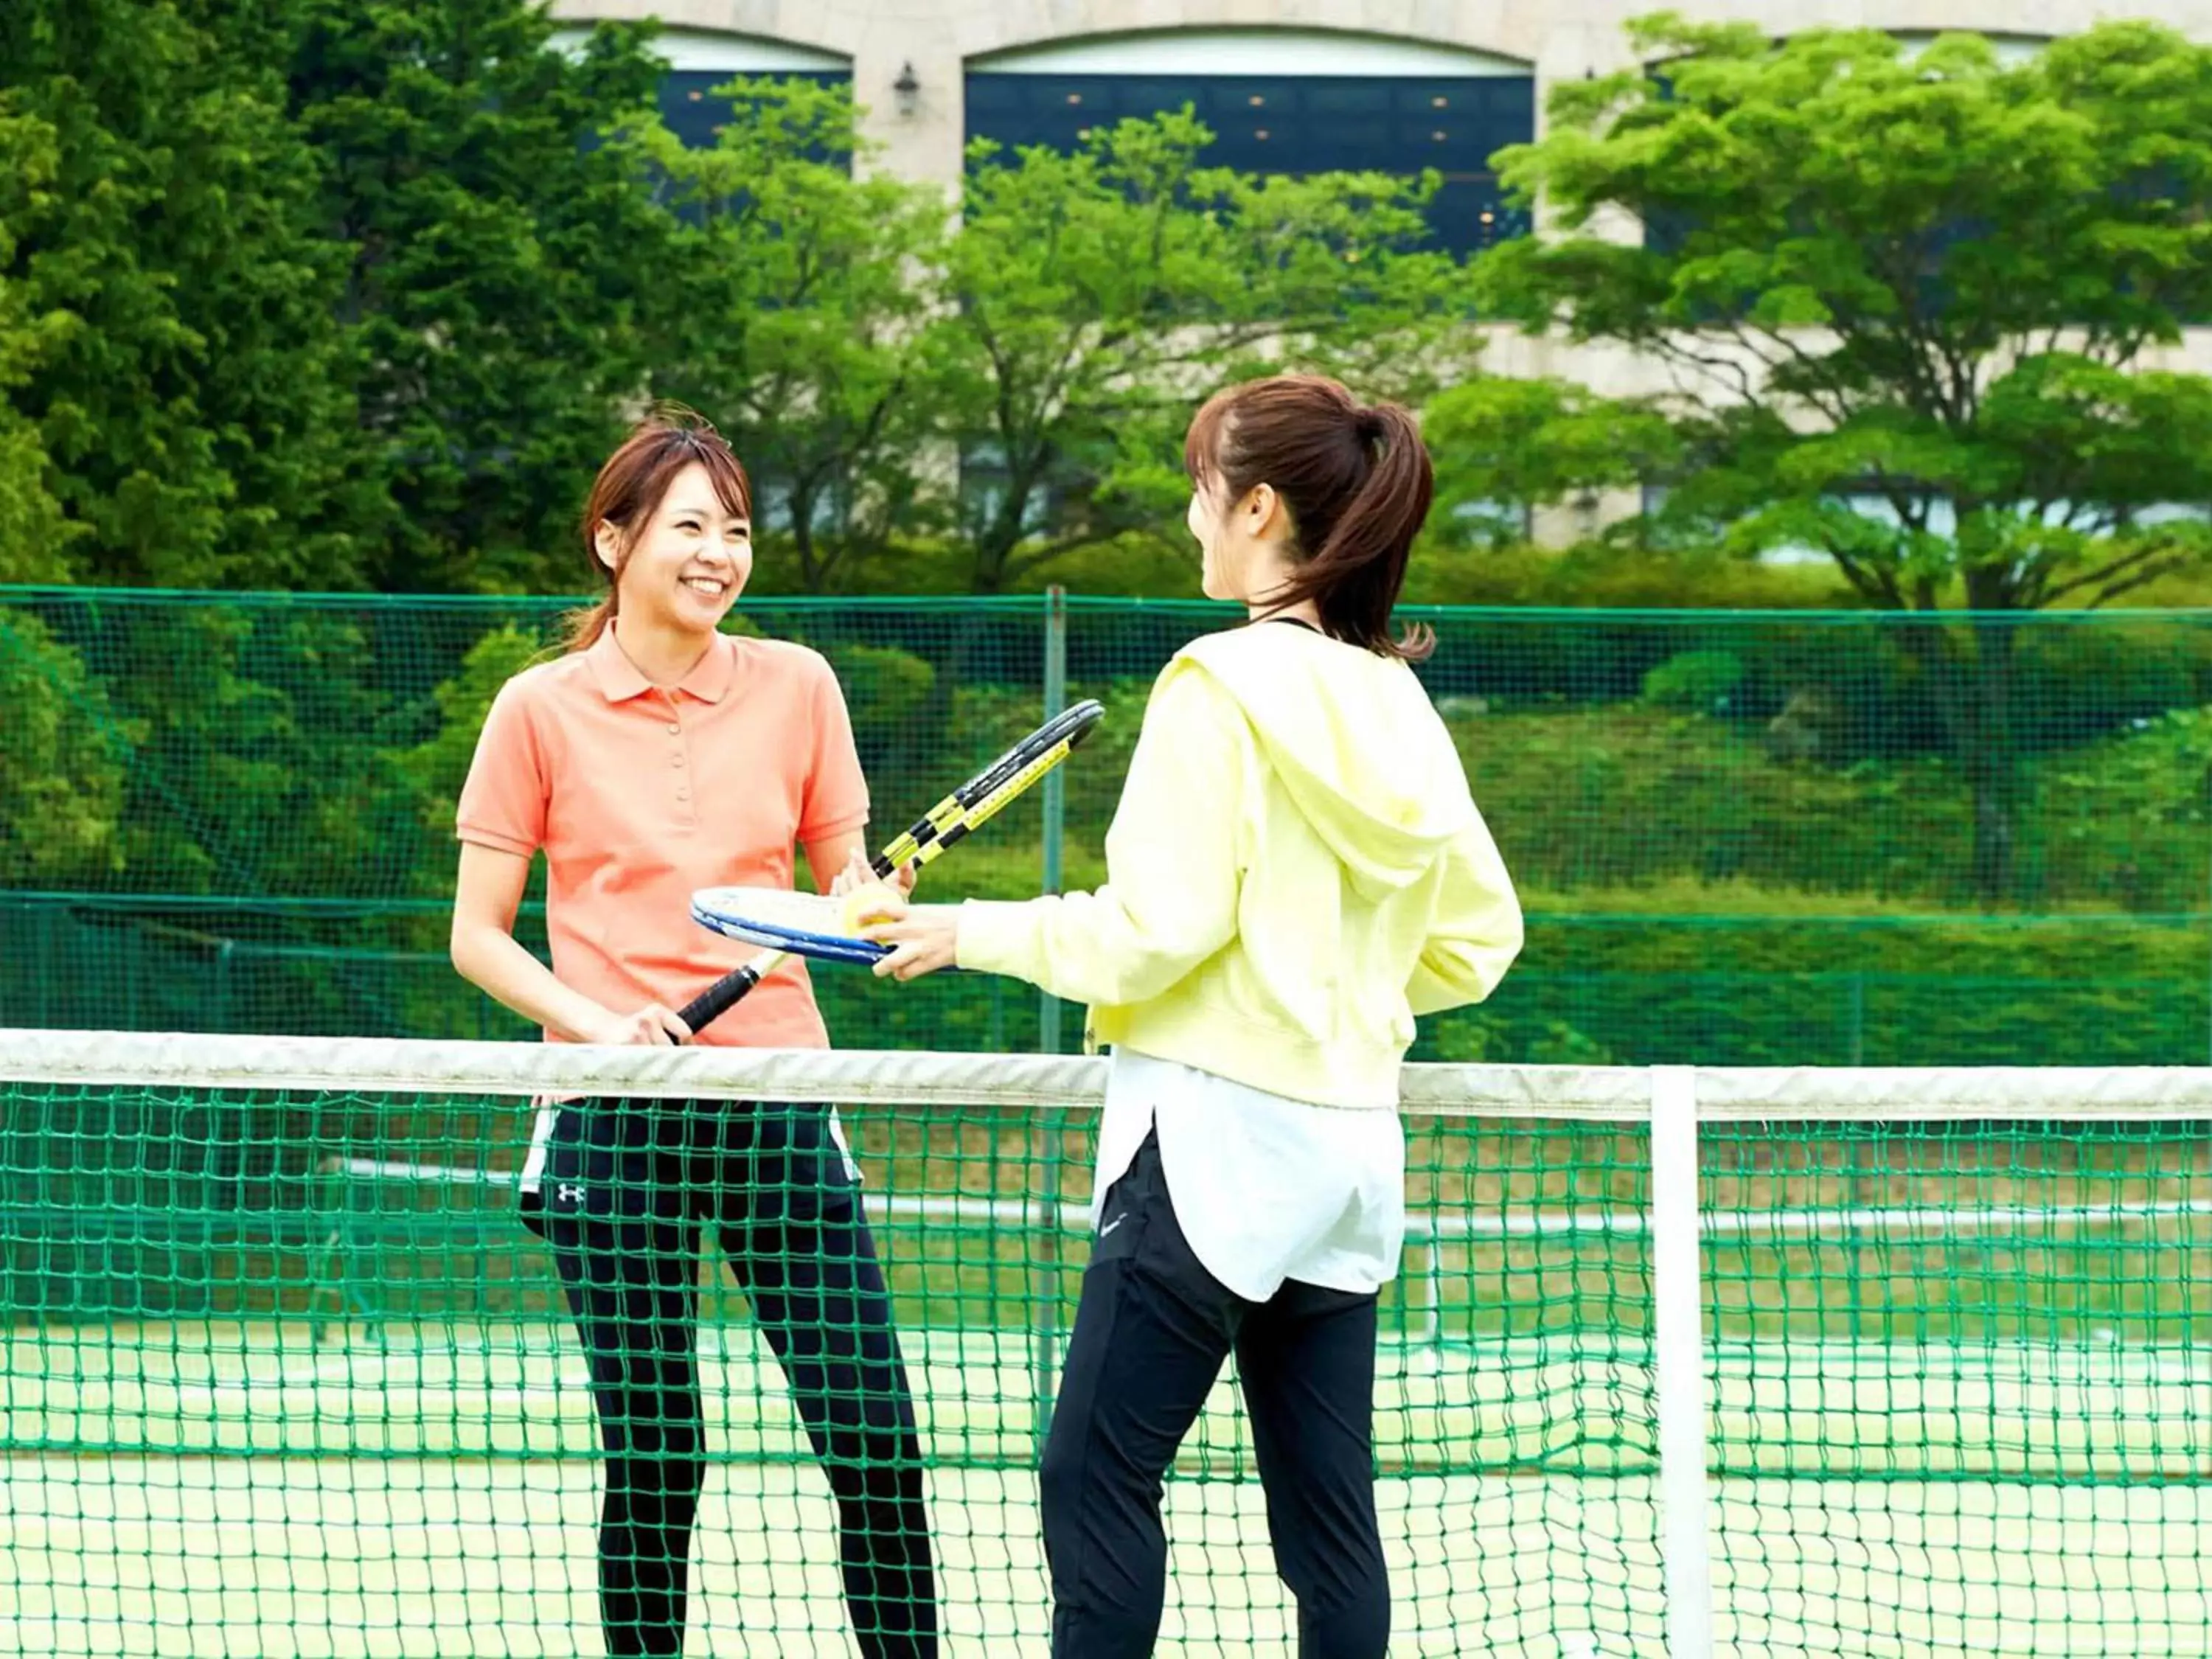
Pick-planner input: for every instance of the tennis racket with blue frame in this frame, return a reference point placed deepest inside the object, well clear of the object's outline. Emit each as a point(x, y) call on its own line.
point(786, 923)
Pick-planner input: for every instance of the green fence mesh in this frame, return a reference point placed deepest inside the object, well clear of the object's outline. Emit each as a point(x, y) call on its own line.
point(286, 1375)
point(1742, 837)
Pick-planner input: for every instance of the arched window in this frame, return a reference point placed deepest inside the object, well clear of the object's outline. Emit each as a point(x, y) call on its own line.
point(1290, 102)
point(700, 60)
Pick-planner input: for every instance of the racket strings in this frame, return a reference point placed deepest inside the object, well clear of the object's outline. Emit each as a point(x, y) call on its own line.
point(782, 907)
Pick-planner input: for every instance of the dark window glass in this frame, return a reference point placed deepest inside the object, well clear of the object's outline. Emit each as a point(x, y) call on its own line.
point(695, 114)
point(1297, 124)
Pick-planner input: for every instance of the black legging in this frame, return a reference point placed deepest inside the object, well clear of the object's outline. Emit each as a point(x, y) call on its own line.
point(625, 1190)
point(1150, 1334)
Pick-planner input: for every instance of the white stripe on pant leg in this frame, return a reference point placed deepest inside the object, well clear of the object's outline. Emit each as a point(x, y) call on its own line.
point(541, 1138)
point(844, 1150)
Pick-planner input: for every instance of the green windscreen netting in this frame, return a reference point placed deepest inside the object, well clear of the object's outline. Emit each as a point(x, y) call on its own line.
point(286, 1375)
point(1837, 839)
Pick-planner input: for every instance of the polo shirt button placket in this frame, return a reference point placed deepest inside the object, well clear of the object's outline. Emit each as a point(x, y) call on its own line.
point(676, 760)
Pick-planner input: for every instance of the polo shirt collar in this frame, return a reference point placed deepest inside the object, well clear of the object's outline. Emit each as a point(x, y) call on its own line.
point(619, 680)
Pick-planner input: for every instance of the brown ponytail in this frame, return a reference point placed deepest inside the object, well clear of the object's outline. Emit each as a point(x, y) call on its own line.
point(1356, 482)
point(629, 490)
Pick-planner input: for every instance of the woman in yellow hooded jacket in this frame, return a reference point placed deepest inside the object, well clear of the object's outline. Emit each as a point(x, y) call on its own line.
point(1295, 870)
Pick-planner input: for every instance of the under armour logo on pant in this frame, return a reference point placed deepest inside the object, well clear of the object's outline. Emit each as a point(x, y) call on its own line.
point(571, 1194)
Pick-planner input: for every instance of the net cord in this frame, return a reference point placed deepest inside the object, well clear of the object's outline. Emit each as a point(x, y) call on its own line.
point(860, 1077)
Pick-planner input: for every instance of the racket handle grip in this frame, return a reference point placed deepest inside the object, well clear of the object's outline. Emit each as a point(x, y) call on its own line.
point(718, 998)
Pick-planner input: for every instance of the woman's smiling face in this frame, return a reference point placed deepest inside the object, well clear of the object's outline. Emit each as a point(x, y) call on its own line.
point(685, 567)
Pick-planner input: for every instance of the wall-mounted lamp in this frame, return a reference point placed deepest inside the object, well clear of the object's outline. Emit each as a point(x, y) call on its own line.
point(908, 89)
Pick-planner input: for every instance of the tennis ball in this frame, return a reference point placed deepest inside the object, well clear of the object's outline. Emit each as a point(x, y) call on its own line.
point(866, 904)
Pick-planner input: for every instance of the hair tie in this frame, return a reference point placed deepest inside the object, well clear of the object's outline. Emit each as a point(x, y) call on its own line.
point(1371, 426)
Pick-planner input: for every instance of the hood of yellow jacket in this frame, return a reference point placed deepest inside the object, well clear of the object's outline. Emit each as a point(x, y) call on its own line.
point(1358, 746)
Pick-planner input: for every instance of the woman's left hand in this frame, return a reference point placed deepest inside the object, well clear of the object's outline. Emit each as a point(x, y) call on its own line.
point(859, 873)
point(926, 938)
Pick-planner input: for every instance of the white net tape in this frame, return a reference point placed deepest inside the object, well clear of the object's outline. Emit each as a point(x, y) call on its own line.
point(855, 1077)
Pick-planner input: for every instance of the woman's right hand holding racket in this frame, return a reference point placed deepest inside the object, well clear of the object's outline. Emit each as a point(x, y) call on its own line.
point(924, 937)
point(651, 1026)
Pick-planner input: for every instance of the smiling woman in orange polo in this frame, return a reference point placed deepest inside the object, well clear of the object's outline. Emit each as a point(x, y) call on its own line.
point(706, 781)
point(657, 756)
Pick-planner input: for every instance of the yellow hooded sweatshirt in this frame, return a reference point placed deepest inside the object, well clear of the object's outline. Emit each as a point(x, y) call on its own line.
point(1295, 871)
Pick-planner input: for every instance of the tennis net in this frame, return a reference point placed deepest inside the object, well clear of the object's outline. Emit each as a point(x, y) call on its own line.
point(1740, 1363)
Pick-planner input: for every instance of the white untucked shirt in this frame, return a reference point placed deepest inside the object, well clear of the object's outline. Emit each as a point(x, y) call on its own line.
point(1265, 1188)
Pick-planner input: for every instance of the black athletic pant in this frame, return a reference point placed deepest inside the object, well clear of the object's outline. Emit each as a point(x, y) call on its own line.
point(1150, 1334)
point(623, 1191)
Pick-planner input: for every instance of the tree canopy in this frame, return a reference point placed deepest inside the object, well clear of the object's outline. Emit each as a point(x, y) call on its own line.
point(1928, 277)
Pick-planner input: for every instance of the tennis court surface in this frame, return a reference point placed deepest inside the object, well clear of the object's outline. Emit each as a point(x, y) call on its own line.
point(1928, 1371)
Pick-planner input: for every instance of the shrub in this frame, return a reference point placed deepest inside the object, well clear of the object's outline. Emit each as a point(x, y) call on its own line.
point(1699, 682)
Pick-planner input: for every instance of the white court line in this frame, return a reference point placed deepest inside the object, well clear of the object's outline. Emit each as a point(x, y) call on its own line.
point(213, 1391)
point(1615, 1220)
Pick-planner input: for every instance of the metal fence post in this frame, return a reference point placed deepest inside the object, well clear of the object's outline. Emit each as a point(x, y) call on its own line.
point(1055, 789)
point(1045, 1354)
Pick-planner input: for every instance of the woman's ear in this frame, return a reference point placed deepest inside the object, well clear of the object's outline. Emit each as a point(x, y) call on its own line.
point(1261, 508)
point(606, 542)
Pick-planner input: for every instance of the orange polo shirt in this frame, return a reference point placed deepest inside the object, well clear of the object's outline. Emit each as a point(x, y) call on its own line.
point(637, 794)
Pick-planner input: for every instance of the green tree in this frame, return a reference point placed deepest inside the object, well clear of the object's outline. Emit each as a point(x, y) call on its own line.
point(191, 395)
point(432, 770)
point(1337, 278)
point(1504, 447)
point(1081, 287)
point(1092, 299)
point(1930, 277)
point(61, 770)
point(791, 308)
point(496, 258)
point(34, 532)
